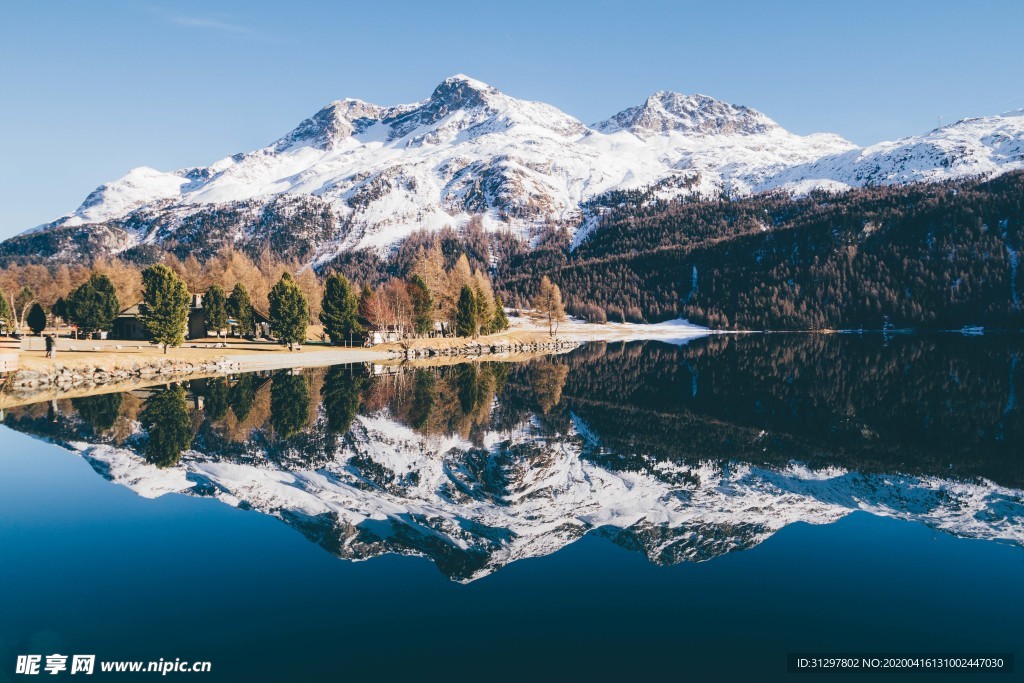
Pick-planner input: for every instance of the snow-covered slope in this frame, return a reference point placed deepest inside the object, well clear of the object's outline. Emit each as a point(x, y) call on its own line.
point(381, 172)
point(972, 147)
point(527, 493)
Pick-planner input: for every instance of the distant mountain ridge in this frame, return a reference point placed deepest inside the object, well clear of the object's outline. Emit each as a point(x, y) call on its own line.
point(372, 174)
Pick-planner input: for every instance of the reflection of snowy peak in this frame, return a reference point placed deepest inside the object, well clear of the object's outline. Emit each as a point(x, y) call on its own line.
point(371, 174)
point(473, 509)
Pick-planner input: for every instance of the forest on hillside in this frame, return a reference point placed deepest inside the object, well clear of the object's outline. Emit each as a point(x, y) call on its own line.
point(922, 255)
point(925, 255)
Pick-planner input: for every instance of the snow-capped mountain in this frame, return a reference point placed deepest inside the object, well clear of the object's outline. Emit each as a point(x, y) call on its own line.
point(473, 509)
point(372, 174)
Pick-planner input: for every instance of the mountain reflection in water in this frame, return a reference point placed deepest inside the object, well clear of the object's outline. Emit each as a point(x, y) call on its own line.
point(683, 453)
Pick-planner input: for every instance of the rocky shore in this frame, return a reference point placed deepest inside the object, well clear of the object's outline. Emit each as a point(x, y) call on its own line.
point(473, 348)
point(43, 382)
point(61, 377)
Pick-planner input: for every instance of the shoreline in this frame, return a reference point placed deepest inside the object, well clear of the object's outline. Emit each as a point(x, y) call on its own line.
point(110, 366)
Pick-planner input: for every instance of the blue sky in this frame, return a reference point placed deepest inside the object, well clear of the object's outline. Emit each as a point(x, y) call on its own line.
point(93, 89)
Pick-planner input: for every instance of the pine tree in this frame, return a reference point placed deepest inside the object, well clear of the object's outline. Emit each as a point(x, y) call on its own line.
point(289, 403)
point(483, 315)
point(94, 305)
point(341, 396)
point(365, 299)
point(500, 322)
point(239, 307)
point(422, 305)
point(289, 311)
point(215, 403)
point(164, 309)
point(60, 308)
point(215, 309)
point(243, 395)
point(340, 310)
point(36, 319)
point(465, 316)
point(99, 411)
point(168, 425)
point(6, 314)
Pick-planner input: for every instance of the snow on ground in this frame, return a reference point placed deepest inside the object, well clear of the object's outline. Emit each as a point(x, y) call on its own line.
point(672, 331)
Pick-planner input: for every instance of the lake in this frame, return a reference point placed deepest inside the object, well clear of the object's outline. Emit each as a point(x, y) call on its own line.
point(626, 511)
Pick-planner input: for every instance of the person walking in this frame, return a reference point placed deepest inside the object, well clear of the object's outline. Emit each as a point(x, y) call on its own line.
point(51, 346)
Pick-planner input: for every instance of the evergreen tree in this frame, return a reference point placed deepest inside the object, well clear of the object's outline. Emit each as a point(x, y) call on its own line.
point(215, 403)
point(93, 306)
point(422, 305)
point(60, 308)
point(465, 316)
point(215, 309)
point(467, 382)
point(289, 403)
point(6, 314)
point(239, 307)
point(340, 310)
point(243, 395)
point(500, 322)
point(36, 319)
point(164, 309)
point(424, 396)
point(168, 426)
point(341, 396)
point(483, 314)
point(289, 311)
point(99, 411)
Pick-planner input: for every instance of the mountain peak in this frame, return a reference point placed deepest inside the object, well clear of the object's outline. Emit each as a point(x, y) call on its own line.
point(335, 122)
point(461, 91)
point(696, 114)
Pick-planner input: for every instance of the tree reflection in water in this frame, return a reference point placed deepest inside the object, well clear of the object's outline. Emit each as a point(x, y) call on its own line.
point(168, 426)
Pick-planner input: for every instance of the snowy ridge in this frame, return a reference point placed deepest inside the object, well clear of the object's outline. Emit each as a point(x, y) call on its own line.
point(469, 149)
point(473, 509)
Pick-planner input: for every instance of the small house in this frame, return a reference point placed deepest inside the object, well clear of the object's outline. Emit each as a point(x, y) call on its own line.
point(384, 334)
point(128, 323)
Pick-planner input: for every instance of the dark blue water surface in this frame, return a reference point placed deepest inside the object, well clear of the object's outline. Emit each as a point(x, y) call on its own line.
point(268, 592)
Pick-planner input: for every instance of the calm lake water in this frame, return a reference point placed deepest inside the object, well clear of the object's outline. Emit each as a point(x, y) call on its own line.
point(629, 511)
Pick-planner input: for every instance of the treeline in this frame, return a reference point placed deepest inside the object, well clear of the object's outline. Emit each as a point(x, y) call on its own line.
point(458, 301)
point(47, 284)
point(430, 300)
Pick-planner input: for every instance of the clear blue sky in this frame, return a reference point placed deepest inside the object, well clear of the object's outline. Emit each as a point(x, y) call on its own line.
point(93, 89)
